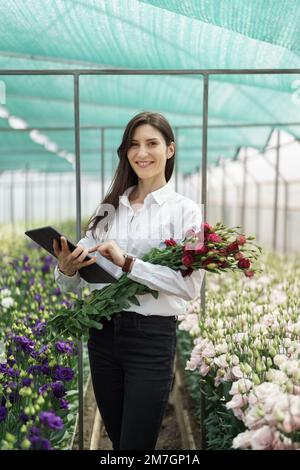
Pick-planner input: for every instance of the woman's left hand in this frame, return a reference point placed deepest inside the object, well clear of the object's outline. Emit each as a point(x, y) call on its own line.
point(111, 251)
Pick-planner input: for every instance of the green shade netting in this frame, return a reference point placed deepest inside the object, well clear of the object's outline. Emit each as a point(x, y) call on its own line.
point(152, 34)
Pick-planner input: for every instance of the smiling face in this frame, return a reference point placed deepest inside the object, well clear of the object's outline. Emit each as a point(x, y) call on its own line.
point(148, 152)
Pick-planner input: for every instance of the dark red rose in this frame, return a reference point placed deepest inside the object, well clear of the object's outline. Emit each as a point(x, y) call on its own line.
point(201, 249)
point(244, 263)
point(223, 264)
point(187, 260)
point(232, 247)
point(170, 242)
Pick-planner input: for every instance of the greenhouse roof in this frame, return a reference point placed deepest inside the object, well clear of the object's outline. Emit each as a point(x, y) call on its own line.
point(144, 35)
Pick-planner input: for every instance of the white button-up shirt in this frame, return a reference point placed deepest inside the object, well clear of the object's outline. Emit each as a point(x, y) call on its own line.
point(164, 214)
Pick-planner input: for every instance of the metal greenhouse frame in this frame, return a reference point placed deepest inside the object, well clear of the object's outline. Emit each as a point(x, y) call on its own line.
point(76, 73)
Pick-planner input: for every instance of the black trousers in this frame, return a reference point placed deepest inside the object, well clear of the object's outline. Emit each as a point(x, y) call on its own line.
point(131, 362)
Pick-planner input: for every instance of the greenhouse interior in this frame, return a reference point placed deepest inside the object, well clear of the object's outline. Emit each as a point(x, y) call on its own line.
point(225, 75)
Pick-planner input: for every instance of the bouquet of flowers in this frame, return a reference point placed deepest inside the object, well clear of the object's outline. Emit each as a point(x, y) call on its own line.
point(214, 249)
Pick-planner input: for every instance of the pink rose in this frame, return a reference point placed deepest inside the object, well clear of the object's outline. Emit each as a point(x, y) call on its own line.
point(249, 273)
point(241, 240)
point(214, 238)
point(207, 227)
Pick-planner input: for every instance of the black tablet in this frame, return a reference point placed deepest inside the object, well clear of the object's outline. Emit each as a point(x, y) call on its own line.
point(44, 237)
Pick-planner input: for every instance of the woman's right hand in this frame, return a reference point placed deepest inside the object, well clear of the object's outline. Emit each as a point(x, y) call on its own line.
point(69, 262)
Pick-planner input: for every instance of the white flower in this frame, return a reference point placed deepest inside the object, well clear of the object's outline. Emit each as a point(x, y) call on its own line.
point(276, 376)
point(7, 302)
point(241, 386)
point(5, 293)
point(221, 348)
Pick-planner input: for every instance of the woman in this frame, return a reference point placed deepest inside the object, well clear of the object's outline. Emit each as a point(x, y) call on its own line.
point(132, 357)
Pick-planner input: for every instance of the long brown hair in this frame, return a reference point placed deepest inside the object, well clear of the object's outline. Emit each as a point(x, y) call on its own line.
point(125, 176)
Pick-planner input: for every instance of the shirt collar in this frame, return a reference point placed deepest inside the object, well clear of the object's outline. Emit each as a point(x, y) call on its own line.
point(159, 195)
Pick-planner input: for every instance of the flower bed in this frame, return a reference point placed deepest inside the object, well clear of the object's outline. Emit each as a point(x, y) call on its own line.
point(38, 386)
point(247, 350)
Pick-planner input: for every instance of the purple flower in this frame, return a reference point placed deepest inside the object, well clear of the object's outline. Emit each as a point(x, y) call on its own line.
point(46, 268)
point(38, 328)
point(65, 347)
point(50, 419)
point(63, 373)
point(18, 282)
point(40, 443)
point(3, 368)
point(58, 389)
point(26, 382)
point(63, 404)
point(3, 413)
point(23, 417)
point(41, 308)
point(56, 291)
point(13, 373)
point(26, 344)
point(34, 370)
point(43, 349)
point(48, 259)
point(45, 369)
point(38, 297)
point(34, 431)
point(43, 389)
point(25, 258)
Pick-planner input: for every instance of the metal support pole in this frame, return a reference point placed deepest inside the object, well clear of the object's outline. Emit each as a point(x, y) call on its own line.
point(46, 196)
point(203, 201)
point(243, 206)
point(78, 235)
point(60, 199)
point(26, 198)
point(70, 206)
point(12, 204)
point(102, 165)
point(257, 212)
point(223, 192)
point(176, 157)
point(285, 223)
point(275, 213)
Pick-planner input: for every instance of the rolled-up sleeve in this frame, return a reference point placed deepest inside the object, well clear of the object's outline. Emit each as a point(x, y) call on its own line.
point(167, 280)
point(69, 283)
